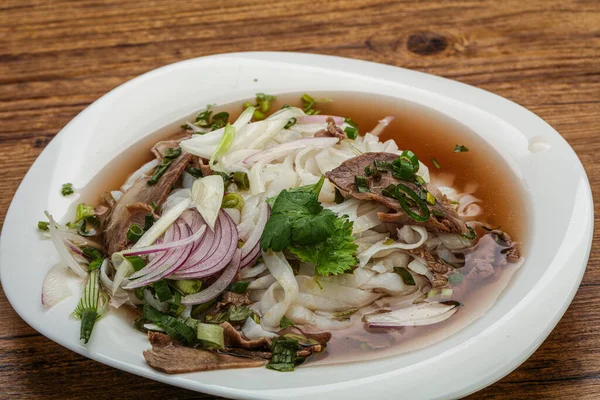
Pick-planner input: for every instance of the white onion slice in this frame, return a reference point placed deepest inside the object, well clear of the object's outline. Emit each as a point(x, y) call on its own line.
point(284, 149)
point(207, 194)
point(162, 224)
point(62, 249)
point(55, 286)
point(382, 125)
point(416, 315)
point(252, 330)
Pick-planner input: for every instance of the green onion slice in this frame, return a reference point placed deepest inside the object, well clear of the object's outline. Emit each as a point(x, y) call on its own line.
point(401, 192)
point(135, 232)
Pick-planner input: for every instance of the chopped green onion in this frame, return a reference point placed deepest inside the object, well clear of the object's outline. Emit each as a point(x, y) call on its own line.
point(239, 287)
point(361, 183)
point(199, 309)
point(350, 122)
point(203, 118)
point(139, 293)
point(264, 101)
point(219, 120)
point(471, 233)
point(195, 172)
point(172, 152)
point(389, 191)
point(165, 163)
point(373, 172)
point(435, 163)
point(188, 286)
point(83, 211)
point(226, 177)
point(351, 132)
point(66, 190)
point(241, 180)
point(224, 145)
point(163, 292)
point(285, 322)
point(382, 166)
point(290, 123)
point(135, 232)
point(211, 336)
point(347, 313)
point(459, 148)
point(175, 307)
point(258, 115)
point(136, 262)
point(308, 104)
point(95, 264)
point(430, 199)
point(247, 104)
point(175, 328)
point(419, 180)
point(233, 200)
point(339, 198)
point(405, 275)
point(401, 192)
point(149, 220)
point(284, 354)
point(89, 226)
point(154, 206)
point(87, 309)
point(43, 225)
point(92, 252)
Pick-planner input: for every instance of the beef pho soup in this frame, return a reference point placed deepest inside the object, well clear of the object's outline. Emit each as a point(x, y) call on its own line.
point(317, 228)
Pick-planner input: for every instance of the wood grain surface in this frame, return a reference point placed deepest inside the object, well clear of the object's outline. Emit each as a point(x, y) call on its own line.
point(56, 57)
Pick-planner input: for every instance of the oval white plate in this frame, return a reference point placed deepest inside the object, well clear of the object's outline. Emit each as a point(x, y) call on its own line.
point(483, 352)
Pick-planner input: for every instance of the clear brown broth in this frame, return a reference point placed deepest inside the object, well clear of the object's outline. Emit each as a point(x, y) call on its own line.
point(428, 134)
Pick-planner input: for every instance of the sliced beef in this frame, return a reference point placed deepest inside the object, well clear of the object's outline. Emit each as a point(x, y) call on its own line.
point(504, 239)
point(233, 338)
point(129, 207)
point(233, 299)
point(172, 358)
point(443, 216)
point(332, 130)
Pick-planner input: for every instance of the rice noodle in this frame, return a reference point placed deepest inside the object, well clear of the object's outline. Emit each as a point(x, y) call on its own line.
point(281, 270)
point(380, 249)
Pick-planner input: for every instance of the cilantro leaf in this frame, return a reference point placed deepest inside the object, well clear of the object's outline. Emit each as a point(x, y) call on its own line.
point(277, 234)
point(313, 229)
point(335, 255)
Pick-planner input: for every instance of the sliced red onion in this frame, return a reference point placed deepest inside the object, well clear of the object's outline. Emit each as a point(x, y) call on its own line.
point(220, 258)
point(318, 119)
point(55, 286)
point(173, 234)
point(207, 247)
point(382, 125)
point(74, 248)
point(284, 148)
point(140, 251)
point(251, 257)
point(219, 286)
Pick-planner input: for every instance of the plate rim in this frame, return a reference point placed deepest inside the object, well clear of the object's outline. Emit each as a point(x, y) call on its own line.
point(293, 58)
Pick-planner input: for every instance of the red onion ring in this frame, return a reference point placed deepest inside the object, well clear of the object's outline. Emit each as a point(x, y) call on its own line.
point(218, 286)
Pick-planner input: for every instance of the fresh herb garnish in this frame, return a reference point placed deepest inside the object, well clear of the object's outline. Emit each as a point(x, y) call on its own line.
point(89, 226)
point(262, 105)
point(300, 224)
point(136, 262)
point(67, 189)
point(459, 148)
point(135, 232)
point(339, 198)
point(149, 220)
point(285, 322)
point(241, 180)
point(205, 119)
point(284, 357)
point(470, 233)
point(233, 200)
point(290, 123)
point(162, 290)
point(226, 177)
point(239, 287)
point(436, 163)
point(174, 327)
point(308, 104)
point(169, 155)
point(405, 275)
point(43, 225)
point(83, 211)
point(87, 309)
point(188, 286)
point(351, 132)
point(362, 184)
point(195, 172)
point(405, 166)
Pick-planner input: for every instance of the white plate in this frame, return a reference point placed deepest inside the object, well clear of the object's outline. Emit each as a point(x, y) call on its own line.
point(483, 352)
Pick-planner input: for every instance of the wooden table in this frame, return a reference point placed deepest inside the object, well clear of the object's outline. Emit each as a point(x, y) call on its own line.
point(56, 57)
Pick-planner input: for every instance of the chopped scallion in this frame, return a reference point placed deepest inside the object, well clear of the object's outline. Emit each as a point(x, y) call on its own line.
point(233, 200)
point(361, 183)
point(459, 148)
point(67, 189)
point(43, 225)
point(241, 180)
point(135, 232)
point(435, 163)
